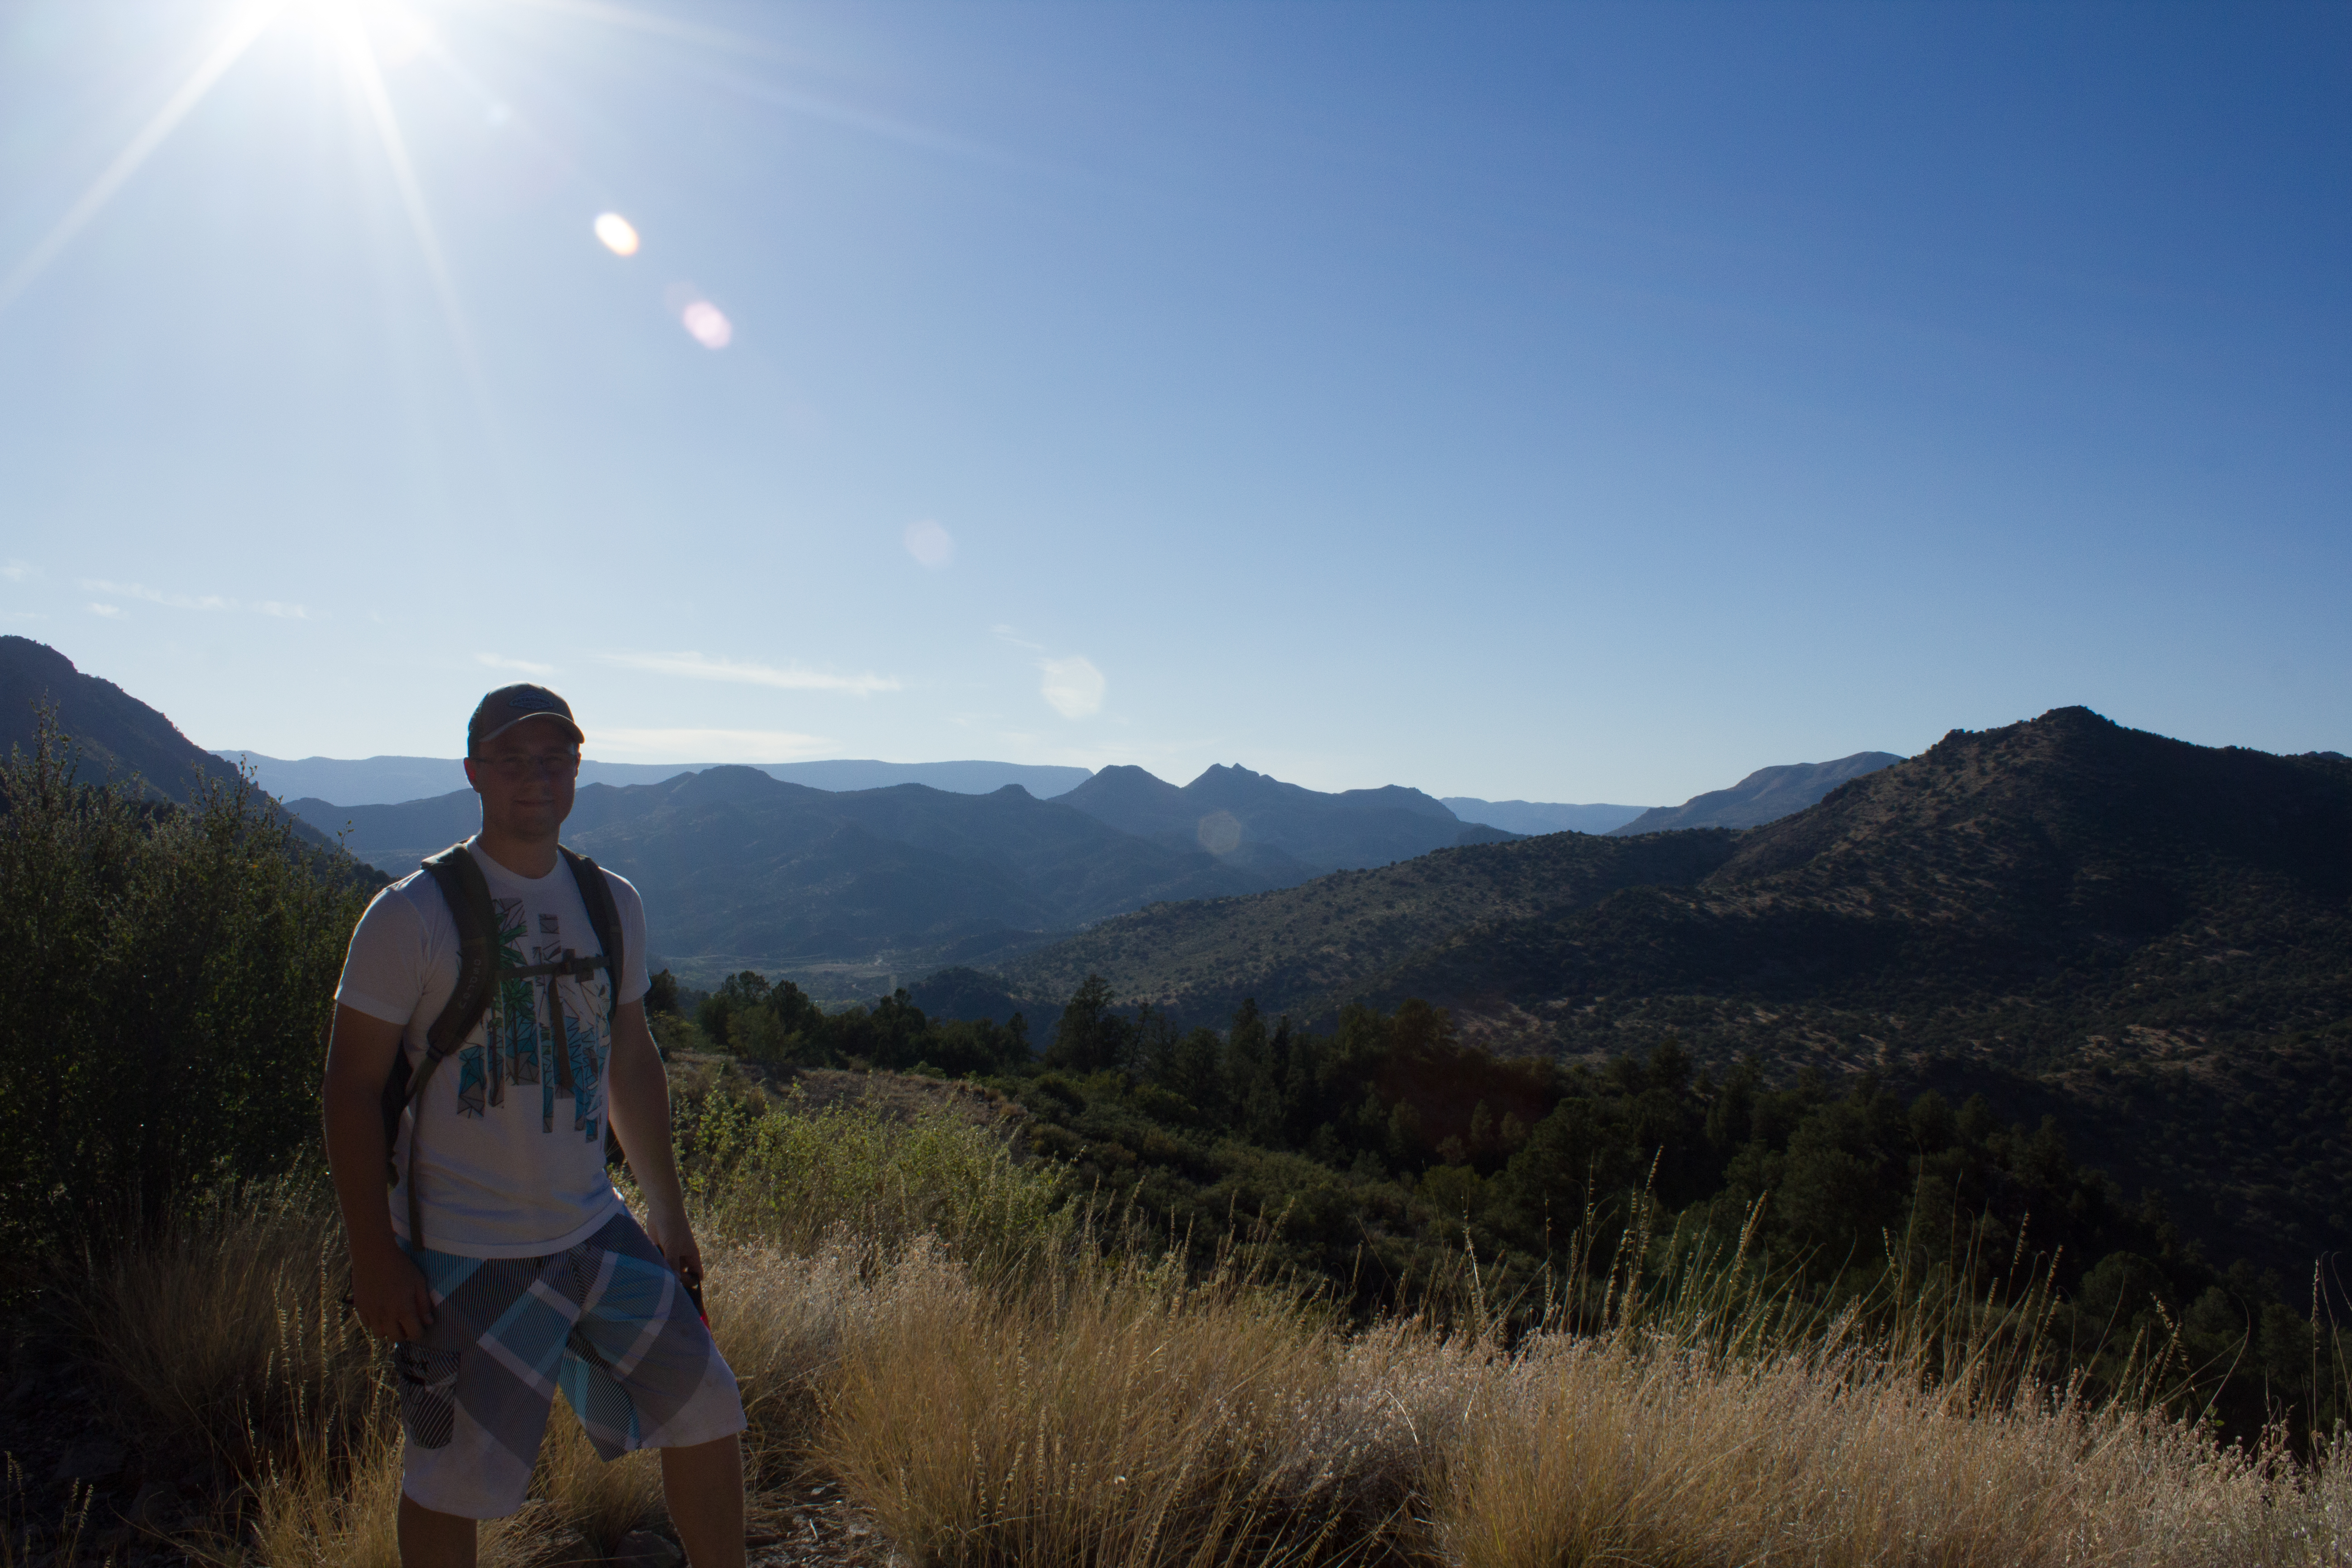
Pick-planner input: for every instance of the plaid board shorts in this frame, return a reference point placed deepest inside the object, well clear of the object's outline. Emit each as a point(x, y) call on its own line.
point(606, 1322)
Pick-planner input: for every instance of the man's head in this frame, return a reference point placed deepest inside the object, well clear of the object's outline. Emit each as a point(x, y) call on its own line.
point(522, 757)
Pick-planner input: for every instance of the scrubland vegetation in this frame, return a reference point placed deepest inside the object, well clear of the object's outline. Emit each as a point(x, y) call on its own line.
point(999, 1353)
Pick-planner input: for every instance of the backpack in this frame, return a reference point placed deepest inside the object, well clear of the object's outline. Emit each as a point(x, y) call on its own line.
point(467, 894)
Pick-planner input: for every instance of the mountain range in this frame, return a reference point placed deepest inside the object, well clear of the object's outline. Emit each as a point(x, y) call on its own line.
point(2150, 938)
point(743, 870)
point(1284, 830)
point(388, 781)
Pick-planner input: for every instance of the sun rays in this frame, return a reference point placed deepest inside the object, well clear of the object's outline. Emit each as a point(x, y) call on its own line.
point(244, 27)
point(365, 38)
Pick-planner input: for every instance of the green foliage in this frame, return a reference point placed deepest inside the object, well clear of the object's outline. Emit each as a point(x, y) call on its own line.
point(780, 1025)
point(1367, 1156)
point(788, 1177)
point(170, 974)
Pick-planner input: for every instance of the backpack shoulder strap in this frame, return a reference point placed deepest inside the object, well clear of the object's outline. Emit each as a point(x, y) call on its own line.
point(467, 894)
point(603, 918)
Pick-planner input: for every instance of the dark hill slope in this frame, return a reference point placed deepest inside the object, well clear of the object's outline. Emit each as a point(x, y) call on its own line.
point(1764, 795)
point(2149, 938)
point(741, 870)
point(117, 734)
point(2063, 850)
point(1303, 948)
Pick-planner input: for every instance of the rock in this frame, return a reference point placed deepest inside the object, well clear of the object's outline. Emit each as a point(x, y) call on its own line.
point(90, 1459)
point(644, 1548)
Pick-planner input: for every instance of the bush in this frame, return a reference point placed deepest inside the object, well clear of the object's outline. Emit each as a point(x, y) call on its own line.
point(171, 974)
point(785, 1179)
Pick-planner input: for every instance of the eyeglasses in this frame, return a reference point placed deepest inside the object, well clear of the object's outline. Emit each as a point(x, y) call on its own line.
point(513, 766)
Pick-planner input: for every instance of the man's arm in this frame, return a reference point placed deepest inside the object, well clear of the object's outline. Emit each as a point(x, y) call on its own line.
point(637, 1091)
point(388, 1292)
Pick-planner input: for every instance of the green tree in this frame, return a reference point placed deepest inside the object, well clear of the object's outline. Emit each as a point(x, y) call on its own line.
point(169, 978)
point(1090, 1037)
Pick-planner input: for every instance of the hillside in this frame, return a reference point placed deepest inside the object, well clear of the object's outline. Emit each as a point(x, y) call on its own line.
point(1302, 949)
point(1764, 795)
point(1282, 829)
point(741, 870)
point(116, 733)
point(2150, 938)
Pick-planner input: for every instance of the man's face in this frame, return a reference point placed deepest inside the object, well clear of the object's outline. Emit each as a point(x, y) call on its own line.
point(525, 777)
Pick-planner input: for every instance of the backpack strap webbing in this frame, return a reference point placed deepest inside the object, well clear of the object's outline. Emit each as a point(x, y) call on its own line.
point(604, 919)
point(467, 894)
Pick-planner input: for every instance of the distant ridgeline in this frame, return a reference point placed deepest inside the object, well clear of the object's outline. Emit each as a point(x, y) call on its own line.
point(2149, 938)
point(745, 871)
point(342, 783)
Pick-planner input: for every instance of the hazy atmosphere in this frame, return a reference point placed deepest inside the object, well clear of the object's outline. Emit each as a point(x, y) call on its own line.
point(1556, 403)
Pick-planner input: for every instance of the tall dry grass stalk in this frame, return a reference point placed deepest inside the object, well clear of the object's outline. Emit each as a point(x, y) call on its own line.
point(1112, 1414)
point(600, 1503)
point(1609, 1450)
point(227, 1325)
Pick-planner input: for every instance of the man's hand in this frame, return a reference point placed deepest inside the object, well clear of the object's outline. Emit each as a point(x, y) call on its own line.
point(676, 1238)
point(389, 1293)
point(637, 1096)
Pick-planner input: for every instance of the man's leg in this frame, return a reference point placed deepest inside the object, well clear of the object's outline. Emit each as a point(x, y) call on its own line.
point(704, 1488)
point(430, 1540)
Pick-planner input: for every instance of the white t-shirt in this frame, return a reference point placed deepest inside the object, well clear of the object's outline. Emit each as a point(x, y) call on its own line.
point(511, 1165)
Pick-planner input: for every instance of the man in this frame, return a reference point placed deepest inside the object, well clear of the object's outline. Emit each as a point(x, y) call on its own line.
point(530, 1275)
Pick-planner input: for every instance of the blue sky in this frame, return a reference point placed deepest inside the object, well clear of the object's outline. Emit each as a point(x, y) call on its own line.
point(1549, 402)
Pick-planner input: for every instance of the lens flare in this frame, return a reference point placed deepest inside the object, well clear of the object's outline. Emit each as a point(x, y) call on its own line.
point(929, 544)
point(619, 235)
point(707, 325)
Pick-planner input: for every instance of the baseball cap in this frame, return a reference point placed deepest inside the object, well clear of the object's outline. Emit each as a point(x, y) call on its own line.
point(509, 705)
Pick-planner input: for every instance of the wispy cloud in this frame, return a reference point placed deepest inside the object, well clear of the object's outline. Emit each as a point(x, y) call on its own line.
point(1072, 686)
point(1011, 638)
point(17, 571)
point(707, 745)
point(500, 661)
point(791, 678)
point(196, 601)
point(106, 609)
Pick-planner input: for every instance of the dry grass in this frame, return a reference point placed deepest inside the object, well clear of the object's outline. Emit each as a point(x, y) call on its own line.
point(229, 1327)
point(1001, 1400)
point(1118, 1419)
point(1609, 1450)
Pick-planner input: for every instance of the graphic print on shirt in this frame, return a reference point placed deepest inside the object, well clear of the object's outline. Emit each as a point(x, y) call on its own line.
point(514, 1031)
point(573, 1005)
point(587, 1067)
point(519, 1041)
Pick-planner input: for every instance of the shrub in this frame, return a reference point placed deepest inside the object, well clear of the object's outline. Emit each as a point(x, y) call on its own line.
point(785, 1179)
point(170, 980)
